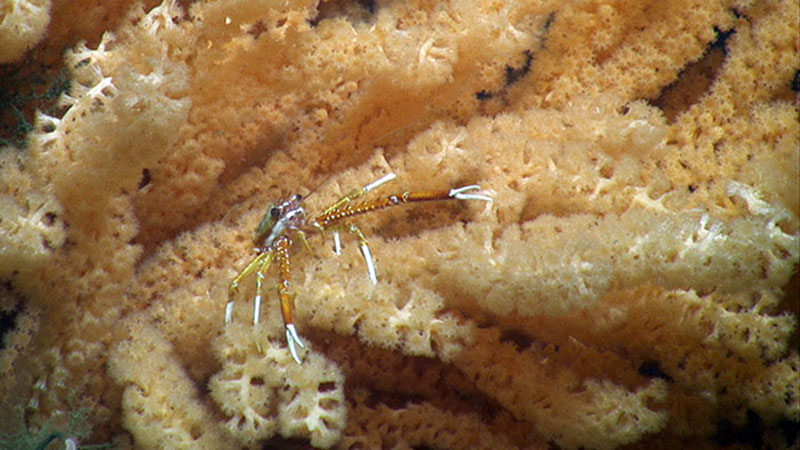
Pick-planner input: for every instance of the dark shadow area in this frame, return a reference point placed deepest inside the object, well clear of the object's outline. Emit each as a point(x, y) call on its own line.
point(695, 80)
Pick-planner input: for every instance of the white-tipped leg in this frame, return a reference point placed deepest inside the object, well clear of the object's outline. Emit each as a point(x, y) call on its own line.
point(337, 243)
point(461, 193)
point(229, 312)
point(261, 261)
point(382, 180)
point(258, 298)
point(256, 309)
point(260, 288)
point(293, 340)
point(367, 253)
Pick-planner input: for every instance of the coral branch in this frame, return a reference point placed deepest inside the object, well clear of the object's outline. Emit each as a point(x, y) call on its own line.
point(634, 279)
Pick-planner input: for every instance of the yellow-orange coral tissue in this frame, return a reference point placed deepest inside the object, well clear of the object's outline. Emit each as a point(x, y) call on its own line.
point(633, 283)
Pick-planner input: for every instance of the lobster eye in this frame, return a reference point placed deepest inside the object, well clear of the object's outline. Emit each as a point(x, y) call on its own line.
point(275, 212)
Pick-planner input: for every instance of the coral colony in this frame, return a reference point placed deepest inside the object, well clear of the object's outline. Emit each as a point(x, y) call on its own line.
point(634, 281)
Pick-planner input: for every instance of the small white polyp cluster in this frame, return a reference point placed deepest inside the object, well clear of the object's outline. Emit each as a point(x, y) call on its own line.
point(261, 391)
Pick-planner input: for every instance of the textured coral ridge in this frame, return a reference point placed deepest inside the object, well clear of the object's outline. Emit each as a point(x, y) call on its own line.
point(626, 285)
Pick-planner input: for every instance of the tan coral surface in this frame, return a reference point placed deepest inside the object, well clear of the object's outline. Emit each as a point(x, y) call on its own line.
point(633, 281)
point(22, 24)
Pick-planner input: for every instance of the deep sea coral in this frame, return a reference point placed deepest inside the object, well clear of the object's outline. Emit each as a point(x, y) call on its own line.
point(627, 286)
point(22, 24)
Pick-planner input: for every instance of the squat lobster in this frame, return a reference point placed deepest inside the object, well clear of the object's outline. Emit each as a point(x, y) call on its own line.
point(287, 218)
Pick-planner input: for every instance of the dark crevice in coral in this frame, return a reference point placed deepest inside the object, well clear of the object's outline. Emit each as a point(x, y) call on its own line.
point(279, 443)
point(519, 338)
point(259, 28)
point(514, 74)
point(483, 95)
point(721, 41)
point(517, 73)
point(790, 432)
point(369, 5)
point(145, 178)
point(352, 11)
point(446, 387)
point(695, 79)
point(395, 400)
point(651, 369)
point(750, 433)
point(22, 93)
point(326, 387)
point(7, 321)
point(551, 18)
point(755, 433)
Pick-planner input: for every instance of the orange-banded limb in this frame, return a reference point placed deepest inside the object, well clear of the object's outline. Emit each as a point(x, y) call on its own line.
point(347, 199)
point(357, 193)
point(287, 297)
point(346, 207)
